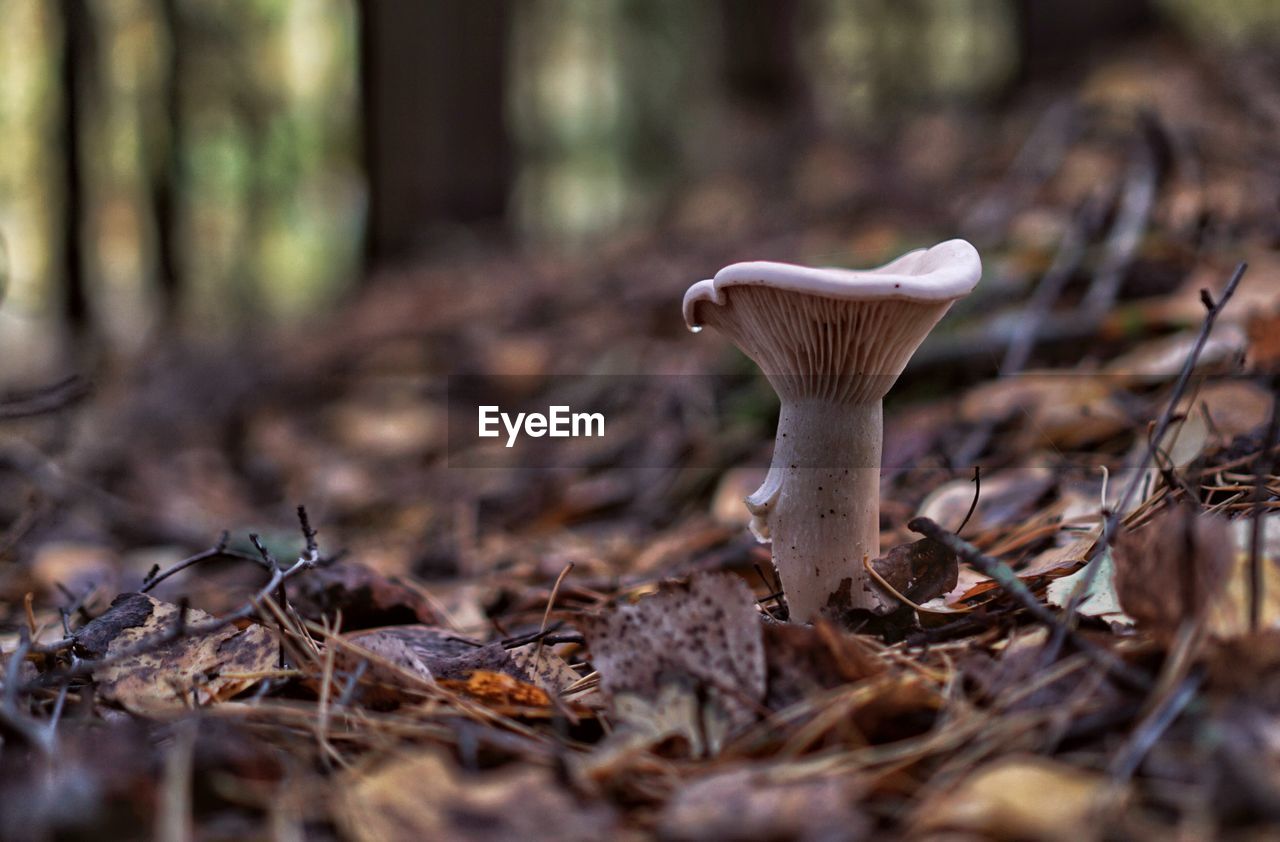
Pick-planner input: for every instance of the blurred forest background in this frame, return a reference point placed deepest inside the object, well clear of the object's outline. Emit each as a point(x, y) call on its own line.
point(219, 164)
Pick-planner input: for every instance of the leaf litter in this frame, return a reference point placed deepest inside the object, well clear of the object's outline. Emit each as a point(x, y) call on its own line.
point(428, 669)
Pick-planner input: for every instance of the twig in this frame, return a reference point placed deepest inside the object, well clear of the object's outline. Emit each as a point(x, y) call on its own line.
point(1153, 726)
point(546, 615)
point(977, 495)
point(1112, 521)
point(1136, 202)
point(154, 577)
point(11, 717)
point(307, 560)
point(1008, 581)
point(44, 400)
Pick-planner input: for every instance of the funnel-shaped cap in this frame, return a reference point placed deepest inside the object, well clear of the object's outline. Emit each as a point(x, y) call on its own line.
point(834, 334)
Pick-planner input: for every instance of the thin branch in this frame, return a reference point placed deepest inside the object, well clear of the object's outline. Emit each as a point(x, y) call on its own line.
point(307, 560)
point(1112, 522)
point(45, 400)
point(219, 551)
point(1004, 576)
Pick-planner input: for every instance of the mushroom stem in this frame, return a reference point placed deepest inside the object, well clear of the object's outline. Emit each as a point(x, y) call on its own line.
point(820, 505)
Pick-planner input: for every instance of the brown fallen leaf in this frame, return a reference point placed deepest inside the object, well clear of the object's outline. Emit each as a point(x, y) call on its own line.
point(191, 671)
point(498, 691)
point(919, 571)
point(687, 661)
point(1050, 408)
point(425, 797)
point(1019, 797)
point(435, 654)
point(763, 804)
point(1173, 569)
point(804, 660)
point(365, 597)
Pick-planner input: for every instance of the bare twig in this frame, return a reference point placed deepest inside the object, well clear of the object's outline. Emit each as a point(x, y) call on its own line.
point(1003, 575)
point(307, 560)
point(221, 550)
point(1136, 201)
point(44, 400)
point(1139, 469)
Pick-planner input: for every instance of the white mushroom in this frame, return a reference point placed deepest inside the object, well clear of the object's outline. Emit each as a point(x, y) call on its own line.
point(831, 342)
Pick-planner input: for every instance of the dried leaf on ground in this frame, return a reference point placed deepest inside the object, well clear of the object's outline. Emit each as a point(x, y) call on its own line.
point(764, 804)
point(433, 653)
point(1101, 600)
point(426, 797)
point(687, 660)
point(919, 571)
point(194, 670)
point(1172, 569)
point(500, 692)
point(804, 660)
point(1020, 798)
point(365, 597)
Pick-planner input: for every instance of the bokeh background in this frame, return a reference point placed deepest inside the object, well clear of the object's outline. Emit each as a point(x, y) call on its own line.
point(217, 165)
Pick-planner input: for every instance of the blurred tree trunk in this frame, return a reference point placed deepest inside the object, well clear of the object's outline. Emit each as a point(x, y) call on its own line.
point(74, 78)
point(166, 175)
point(436, 146)
point(761, 62)
point(1053, 34)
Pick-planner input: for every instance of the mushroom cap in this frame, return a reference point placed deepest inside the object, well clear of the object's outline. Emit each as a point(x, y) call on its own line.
point(944, 272)
point(837, 334)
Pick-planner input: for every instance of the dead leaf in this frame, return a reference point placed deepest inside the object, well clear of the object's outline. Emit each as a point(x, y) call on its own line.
point(686, 661)
point(804, 660)
point(190, 671)
point(763, 804)
point(1006, 496)
point(1101, 600)
point(1160, 360)
point(426, 797)
point(80, 568)
point(1020, 798)
point(1264, 341)
point(1059, 409)
point(365, 597)
point(919, 571)
point(1172, 569)
point(498, 691)
point(544, 667)
point(434, 654)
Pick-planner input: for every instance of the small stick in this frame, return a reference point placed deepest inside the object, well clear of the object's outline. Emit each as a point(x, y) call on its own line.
point(219, 550)
point(1112, 521)
point(977, 495)
point(1008, 581)
point(546, 615)
point(307, 560)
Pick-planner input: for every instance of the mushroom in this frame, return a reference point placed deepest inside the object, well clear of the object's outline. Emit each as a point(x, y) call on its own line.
point(831, 342)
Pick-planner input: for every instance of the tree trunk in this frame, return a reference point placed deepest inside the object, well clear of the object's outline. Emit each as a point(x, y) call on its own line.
point(77, 51)
point(1055, 35)
point(436, 146)
point(166, 176)
point(761, 64)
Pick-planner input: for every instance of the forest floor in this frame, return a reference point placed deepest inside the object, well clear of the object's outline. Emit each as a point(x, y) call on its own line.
point(597, 649)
